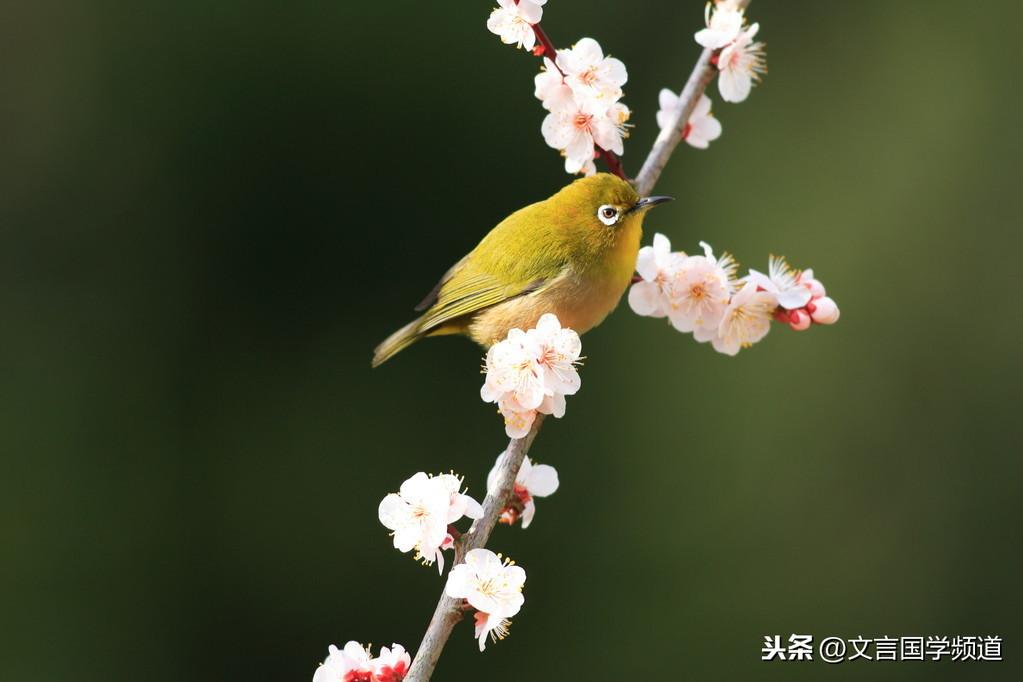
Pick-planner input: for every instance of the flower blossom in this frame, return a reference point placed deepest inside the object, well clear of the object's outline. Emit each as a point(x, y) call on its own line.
point(807, 300)
point(724, 22)
point(533, 480)
point(513, 21)
point(692, 291)
point(700, 130)
point(392, 664)
point(551, 88)
point(656, 266)
point(746, 320)
point(699, 291)
point(531, 372)
point(513, 371)
point(741, 63)
point(581, 91)
point(490, 585)
point(575, 127)
point(782, 281)
point(590, 75)
point(420, 512)
point(355, 664)
point(698, 294)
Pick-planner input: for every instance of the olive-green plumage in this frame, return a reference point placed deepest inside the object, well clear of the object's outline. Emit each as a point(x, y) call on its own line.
point(572, 255)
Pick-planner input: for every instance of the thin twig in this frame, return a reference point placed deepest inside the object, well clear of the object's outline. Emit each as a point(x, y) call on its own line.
point(449, 611)
point(703, 73)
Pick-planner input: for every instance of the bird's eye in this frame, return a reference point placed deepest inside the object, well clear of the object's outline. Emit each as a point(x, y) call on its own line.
point(608, 214)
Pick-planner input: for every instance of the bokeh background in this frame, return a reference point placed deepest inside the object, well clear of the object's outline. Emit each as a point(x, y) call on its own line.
point(211, 212)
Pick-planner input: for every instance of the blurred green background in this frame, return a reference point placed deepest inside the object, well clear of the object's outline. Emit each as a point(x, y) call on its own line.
point(211, 212)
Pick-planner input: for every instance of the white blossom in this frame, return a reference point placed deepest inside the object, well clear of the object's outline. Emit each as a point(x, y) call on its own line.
point(698, 295)
point(351, 664)
point(699, 291)
point(802, 297)
point(724, 22)
point(533, 480)
point(558, 351)
point(531, 372)
point(513, 22)
point(575, 127)
point(492, 587)
point(589, 168)
point(392, 664)
point(592, 77)
point(354, 663)
point(419, 514)
point(692, 291)
point(746, 320)
point(741, 63)
point(656, 265)
point(700, 130)
point(782, 281)
point(551, 89)
point(581, 92)
point(487, 624)
point(513, 368)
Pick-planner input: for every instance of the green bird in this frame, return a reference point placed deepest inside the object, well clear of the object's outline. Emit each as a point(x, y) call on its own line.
point(572, 254)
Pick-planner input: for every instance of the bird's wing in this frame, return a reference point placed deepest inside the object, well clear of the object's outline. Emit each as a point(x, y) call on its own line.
point(464, 295)
point(431, 297)
point(495, 270)
point(472, 284)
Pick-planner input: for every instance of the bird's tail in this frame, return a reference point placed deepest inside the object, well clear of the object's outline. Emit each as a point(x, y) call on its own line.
point(398, 341)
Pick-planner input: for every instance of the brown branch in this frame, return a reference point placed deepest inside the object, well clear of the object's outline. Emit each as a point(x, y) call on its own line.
point(449, 611)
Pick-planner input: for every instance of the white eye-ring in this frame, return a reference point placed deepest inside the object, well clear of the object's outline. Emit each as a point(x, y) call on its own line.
point(608, 214)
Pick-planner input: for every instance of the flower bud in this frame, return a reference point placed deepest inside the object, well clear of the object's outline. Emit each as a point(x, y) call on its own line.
point(799, 319)
point(815, 287)
point(825, 311)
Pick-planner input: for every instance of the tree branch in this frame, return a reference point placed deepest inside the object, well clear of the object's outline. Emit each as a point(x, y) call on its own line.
point(449, 611)
point(669, 138)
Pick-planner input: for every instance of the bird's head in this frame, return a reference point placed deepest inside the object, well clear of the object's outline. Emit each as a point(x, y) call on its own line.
point(605, 202)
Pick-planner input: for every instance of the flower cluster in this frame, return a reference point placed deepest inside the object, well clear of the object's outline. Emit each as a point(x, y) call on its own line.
point(421, 511)
point(513, 21)
point(419, 516)
point(355, 663)
point(490, 585)
point(533, 480)
point(802, 299)
point(531, 372)
point(739, 59)
point(700, 294)
point(700, 130)
point(581, 89)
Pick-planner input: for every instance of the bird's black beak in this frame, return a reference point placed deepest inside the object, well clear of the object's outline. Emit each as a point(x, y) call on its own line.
point(647, 202)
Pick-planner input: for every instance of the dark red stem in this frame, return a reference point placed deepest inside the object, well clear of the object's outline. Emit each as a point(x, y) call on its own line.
point(614, 164)
point(548, 47)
